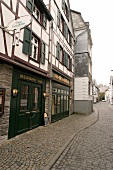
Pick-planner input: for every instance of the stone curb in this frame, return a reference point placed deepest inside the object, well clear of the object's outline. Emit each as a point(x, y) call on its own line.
point(110, 106)
point(55, 158)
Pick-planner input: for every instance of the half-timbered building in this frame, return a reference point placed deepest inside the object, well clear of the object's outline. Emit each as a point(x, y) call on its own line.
point(23, 66)
point(61, 60)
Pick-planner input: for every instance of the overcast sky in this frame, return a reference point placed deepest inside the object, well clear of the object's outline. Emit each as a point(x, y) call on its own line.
point(99, 14)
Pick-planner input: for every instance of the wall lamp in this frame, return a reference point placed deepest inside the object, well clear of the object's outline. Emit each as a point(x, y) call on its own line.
point(14, 92)
point(45, 94)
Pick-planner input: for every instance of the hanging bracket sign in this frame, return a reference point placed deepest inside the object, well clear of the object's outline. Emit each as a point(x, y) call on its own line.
point(16, 26)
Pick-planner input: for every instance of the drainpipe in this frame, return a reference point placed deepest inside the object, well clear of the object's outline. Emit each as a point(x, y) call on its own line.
point(50, 83)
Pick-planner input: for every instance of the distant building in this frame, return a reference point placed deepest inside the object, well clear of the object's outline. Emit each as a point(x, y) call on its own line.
point(95, 91)
point(111, 90)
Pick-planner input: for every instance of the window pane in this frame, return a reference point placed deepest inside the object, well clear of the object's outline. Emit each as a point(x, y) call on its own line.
point(54, 104)
point(35, 99)
point(58, 104)
point(24, 98)
point(62, 103)
point(65, 103)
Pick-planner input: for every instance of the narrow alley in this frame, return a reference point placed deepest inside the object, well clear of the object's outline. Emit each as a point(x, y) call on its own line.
point(92, 148)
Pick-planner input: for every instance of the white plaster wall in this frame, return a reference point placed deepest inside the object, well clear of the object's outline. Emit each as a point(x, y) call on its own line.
point(7, 2)
point(2, 49)
point(45, 37)
point(14, 3)
point(34, 63)
point(18, 52)
point(47, 52)
point(9, 42)
point(7, 15)
point(24, 2)
point(53, 60)
point(80, 88)
point(22, 11)
point(36, 28)
point(44, 66)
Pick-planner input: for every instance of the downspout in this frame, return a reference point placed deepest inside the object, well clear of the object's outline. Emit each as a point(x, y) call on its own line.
point(50, 51)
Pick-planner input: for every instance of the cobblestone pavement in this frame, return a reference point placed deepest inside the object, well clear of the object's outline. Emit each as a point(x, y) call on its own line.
point(92, 148)
point(35, 149)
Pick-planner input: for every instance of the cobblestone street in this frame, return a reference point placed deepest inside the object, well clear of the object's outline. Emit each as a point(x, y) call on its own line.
point(39, 148)
point(92, 148)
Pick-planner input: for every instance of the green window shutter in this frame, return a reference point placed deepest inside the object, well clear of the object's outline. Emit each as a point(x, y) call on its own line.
point(44, 21)
point(66, 60)
point(70, 64)
point(43, 50)
point(63, 4)
point(58, 51)
point(58, 18)
point(66, 36)
point(70, 40)
point(67, 14)
point(27, 41)
point(64, 29)
point(29, 4)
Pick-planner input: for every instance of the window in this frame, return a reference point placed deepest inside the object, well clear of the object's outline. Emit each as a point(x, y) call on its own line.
point(32, 46)
point(36, 13)
point(61, 54)
point(44, 21)
point(32, 5)
point(34, 49)
point(43, 53)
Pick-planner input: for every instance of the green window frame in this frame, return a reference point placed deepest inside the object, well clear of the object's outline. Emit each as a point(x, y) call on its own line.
point(30, 4)
point(43, 53)
point(27, 41)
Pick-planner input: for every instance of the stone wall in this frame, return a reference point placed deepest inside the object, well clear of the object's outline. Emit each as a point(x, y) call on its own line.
point(5, 82)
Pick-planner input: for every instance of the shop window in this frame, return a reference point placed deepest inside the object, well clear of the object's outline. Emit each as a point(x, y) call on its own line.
point(54, 104)
point(58, 104)
point(2, 101)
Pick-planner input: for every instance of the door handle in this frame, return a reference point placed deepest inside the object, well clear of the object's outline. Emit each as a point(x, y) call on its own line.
point(27, 113)
point(33, 111)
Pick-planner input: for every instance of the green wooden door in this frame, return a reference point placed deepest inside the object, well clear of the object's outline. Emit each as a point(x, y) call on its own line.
point(28, 106)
